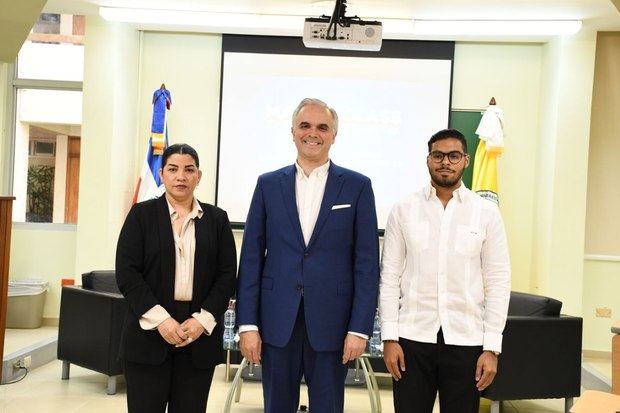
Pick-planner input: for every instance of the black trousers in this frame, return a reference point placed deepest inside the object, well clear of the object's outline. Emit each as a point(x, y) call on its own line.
point(177, 382)
point(430, 368)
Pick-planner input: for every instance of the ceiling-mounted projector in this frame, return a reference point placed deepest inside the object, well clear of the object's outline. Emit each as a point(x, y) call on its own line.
point(341, 32)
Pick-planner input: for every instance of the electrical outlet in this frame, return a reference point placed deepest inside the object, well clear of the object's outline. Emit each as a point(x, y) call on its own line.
point(25, 362)
point(603, 312)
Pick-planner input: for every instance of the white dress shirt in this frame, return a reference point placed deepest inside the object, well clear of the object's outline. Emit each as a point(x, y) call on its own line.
point(184, 251)
point(309, 191)
point(445, 268)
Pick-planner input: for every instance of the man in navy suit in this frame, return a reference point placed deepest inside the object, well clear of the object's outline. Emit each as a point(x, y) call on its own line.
point(309, 270)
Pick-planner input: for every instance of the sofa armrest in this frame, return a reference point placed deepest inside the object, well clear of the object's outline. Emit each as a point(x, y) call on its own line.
point(89, 329)
point(541, 358)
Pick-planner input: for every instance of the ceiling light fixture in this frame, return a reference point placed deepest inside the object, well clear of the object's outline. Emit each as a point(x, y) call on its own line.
point(290, 25)
point(496, 27)
point(192, 18)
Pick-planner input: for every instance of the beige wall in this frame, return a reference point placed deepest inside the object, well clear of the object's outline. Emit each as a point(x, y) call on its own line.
point(601, 277)
point(602, 223)
point(511, 74)
point(192, 74)
point(44, 251)
point(601, 285)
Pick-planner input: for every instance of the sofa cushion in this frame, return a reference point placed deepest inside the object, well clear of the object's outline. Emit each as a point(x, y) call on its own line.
point(104, 281)
point(523, 304)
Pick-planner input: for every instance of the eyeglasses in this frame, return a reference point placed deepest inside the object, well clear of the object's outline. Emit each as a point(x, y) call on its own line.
point(453, 157)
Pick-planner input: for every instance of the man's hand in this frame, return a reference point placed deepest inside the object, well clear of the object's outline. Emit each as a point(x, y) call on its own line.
point(250, 345)
point(394, 358)
point(171, 331)
point(486, 368)
point(354, 347)
point(192, 329)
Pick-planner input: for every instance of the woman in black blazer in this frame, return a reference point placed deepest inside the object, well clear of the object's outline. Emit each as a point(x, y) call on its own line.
point(176, 266)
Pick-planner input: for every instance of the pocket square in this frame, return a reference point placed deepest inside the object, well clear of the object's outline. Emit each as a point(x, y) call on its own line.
point(341, 206)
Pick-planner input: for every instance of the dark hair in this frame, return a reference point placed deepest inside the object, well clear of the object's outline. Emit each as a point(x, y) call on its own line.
point(448, 134)
point(181, 149)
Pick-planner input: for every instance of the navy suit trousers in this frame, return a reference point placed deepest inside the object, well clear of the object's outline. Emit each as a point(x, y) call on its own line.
point(283, 368)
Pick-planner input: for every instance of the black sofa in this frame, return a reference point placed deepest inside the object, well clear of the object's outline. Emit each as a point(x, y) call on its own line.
point(89, 330)
point(541, 353)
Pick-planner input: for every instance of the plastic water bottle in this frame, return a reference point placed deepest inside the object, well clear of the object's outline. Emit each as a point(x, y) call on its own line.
point(375, 339)
point(229, 326)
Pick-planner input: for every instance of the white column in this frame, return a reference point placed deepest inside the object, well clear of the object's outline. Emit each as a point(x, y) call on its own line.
point(109, 129)
point(20, 171)
point(562, 169)
point(66, 24)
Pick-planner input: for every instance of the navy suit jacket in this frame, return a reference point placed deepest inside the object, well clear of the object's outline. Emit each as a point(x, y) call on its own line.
point(337, 273)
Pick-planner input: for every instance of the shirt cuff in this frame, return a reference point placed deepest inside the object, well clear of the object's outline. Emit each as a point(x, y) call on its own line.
point(492, 342)
point(247, 327)
point(364, 336)
point(389, 330)
point(205, 319)
point(153, 318)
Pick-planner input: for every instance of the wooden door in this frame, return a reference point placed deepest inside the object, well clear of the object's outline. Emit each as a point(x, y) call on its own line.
point(6, 216)
point(73, 180)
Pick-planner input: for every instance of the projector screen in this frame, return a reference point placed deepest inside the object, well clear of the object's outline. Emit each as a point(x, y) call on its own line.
point(388, 104)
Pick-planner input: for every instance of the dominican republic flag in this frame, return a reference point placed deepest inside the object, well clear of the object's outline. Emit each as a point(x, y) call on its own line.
point(149, 185)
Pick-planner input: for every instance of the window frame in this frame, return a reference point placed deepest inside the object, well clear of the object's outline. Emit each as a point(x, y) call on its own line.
point(13, 85)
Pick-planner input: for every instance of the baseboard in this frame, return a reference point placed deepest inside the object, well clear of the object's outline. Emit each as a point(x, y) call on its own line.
point(597, 354)
point(15, 365)
point(50, 321)
point(592, 379)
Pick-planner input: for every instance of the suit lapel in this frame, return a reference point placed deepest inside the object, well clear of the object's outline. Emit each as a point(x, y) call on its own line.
point(166, 247)
point(287, 182)
point(202, 228)
point(332, 189)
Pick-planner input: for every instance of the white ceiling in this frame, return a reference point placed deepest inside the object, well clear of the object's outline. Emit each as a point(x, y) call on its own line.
point(407, 9)
point(602, 15)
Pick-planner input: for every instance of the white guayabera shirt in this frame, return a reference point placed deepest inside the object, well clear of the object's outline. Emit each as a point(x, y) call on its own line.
point(445, 268)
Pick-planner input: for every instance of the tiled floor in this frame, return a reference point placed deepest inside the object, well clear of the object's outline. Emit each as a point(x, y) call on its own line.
point(43, 391)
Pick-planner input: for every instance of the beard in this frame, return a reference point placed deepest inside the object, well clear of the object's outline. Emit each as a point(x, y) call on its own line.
point(448, 182)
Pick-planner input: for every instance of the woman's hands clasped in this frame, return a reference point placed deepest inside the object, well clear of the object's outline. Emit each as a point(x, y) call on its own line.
point(180, 335)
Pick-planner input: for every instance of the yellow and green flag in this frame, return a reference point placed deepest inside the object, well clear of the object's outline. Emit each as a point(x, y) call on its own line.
point(491, 145)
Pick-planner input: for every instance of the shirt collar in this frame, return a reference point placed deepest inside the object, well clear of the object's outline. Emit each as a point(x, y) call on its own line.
point(319, 172)
point(460, 193)
point(196, 211)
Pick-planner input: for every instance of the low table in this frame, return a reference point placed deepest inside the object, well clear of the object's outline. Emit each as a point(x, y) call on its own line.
point(371, 381)
point(592, 401)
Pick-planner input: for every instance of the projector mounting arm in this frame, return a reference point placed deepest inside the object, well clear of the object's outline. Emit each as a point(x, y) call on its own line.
point(339, 19)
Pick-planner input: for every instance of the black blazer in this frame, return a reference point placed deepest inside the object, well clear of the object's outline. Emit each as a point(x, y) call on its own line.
point(145, 267)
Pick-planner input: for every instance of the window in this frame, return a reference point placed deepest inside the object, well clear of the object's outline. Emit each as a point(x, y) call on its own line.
point(54, 49)
point(48, 121)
